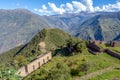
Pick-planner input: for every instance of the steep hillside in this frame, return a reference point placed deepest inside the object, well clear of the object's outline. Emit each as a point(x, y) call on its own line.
point(18, 26)
point(77, 65)
point(101, 27)
point(69, 22)
point(53, 39)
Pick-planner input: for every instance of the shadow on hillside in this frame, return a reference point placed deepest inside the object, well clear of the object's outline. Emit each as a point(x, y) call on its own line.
point(63, 52)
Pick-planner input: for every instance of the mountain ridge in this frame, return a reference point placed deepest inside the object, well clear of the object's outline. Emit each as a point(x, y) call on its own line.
point(100, 26)
point(18, 26)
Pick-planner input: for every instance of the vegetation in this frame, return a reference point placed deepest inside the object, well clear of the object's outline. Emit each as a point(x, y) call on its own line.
point(74, 59)
point(79, 64)
point(9, 74)
point(7, 57)
point(110, 75)
point(116, 49)
point(17, 57)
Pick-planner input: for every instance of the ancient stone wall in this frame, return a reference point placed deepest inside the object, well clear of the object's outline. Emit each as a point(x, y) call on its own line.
point(95, 47)
point(114, 54)
point(115, 44)
point(97, 42)
point(40, 60)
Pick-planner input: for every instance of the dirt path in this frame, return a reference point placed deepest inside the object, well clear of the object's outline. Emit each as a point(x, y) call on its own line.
point(94, 74)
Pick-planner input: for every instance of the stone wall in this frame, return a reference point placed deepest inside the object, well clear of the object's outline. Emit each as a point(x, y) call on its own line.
point(115, 44)
point(97, 42)
point(40, 60)
point(95, 47)
point(114, 54)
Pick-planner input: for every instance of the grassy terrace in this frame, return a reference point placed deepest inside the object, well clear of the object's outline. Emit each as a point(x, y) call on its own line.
point(116, 49)
point(110, 75)
point(96, 62)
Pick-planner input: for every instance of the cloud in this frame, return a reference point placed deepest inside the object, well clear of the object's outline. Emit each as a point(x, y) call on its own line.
point(89, 5)
point(55, 9)
point(69, 7)
point(76, 7)
point(111, 7)
point(36, 9)
point(43, 10)
point(108, 7)
point(44, 7)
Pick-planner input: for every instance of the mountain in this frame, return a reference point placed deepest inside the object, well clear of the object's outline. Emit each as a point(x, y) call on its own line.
point(18, 26)
point(101, 27)
point(76, 66)
point(69, 22)
point(53, 38)
point(117, 38)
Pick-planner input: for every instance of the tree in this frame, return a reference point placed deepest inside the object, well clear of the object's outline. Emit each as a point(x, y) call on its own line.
point(80, 47)
point(84, 67)
point(20, 60)
point(9, 74)
point(60, 72)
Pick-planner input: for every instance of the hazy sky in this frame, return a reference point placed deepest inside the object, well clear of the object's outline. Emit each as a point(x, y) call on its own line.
point(48, 7)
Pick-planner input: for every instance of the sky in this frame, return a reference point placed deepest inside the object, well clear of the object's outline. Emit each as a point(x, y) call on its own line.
point(51, 7)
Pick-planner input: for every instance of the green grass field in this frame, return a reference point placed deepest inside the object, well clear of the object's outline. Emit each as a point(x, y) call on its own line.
point(116, 49)
point(110, 75)
point(96, 62)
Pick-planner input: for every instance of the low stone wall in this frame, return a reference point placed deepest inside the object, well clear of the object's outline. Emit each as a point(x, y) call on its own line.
point(34, 65)
point(97, 42)
point(114, 44)
point(92, 52)
point(95, 48)
point(114, 54)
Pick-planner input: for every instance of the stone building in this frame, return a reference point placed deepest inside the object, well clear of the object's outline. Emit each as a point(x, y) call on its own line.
point(42, 47)
point(34, 65)
point(97, 42)
point(114, 44)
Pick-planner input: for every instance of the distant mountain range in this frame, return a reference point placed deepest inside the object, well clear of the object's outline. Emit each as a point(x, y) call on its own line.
point(101, 27)
point(18, 26)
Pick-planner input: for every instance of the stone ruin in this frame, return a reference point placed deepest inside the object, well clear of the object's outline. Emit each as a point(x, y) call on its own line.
point(114, 44)
point(34, 65)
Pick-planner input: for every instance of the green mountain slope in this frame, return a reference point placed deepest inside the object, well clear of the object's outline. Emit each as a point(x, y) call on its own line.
point(78, 63)
point(53, 39)
point(18, 26)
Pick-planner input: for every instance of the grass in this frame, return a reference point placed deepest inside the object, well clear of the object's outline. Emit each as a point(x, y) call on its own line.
point(9, 55)
point(96, 62)
point(116, 49)
point(53, 38)
point(110, 75)
point(100, 61)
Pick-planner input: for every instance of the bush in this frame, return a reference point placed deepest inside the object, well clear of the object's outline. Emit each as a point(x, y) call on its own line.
point(59, 72)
